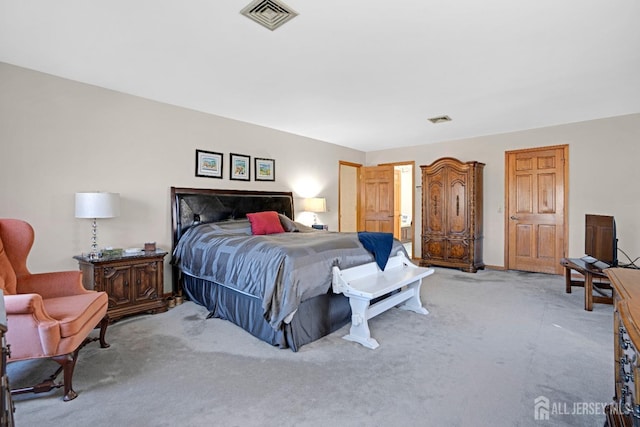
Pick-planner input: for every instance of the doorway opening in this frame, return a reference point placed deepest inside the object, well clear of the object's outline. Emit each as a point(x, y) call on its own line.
point(406, 205)
point(352, 198)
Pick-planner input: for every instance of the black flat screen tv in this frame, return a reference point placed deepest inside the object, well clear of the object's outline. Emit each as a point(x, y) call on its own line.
point(600, 240)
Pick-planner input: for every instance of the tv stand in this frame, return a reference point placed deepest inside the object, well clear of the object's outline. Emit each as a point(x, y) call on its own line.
point(589, 271)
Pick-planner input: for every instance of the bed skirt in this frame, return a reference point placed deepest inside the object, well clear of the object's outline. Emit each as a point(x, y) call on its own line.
point(315, 318)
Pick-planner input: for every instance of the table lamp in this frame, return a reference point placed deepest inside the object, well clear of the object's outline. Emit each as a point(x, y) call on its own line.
point(97, 205)
point(315, 205)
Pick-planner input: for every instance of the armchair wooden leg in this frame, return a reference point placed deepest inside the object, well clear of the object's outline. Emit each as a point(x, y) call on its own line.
point(103, 331)
point(68, 363)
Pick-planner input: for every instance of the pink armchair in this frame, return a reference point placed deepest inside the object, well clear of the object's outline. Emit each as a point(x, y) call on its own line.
point(49, 315)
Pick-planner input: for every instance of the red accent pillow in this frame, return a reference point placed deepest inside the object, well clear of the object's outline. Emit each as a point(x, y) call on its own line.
point(265, 223)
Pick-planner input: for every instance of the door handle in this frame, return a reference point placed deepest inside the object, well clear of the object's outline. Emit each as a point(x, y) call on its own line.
point(513, 217)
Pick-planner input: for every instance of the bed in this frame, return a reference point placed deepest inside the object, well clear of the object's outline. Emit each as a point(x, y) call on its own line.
point(276, 286)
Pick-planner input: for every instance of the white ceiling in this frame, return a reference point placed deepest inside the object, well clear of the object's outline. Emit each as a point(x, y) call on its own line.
point(365, 74)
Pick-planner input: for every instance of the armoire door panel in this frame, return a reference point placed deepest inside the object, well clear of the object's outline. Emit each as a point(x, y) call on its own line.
point(457, 219)
point(435, 207)
point(434, 249)
point(458, 250)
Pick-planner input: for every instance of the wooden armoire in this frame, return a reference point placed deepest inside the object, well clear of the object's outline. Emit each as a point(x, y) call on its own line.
point(452, 214)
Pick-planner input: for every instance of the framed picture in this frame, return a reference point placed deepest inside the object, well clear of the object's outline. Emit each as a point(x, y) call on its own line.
point(240, 167)
point(208, 164)
point(265, 170)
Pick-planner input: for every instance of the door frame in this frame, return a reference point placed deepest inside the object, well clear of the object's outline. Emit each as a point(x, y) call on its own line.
point(565, 213)
point(411, 163)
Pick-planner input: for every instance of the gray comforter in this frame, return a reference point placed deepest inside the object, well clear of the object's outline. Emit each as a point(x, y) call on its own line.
point(279, 269)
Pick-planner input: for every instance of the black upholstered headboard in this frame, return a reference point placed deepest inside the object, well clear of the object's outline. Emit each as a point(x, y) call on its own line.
point(193, 205)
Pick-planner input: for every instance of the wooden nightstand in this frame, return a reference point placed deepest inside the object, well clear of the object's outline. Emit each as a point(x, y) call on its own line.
point(134, 282)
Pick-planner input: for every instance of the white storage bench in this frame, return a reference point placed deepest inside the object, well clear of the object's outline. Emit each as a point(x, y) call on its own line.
point(367, 282)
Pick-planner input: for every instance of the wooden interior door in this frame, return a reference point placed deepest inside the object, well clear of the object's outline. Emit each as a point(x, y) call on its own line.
point(377, 200)
point(536, 197)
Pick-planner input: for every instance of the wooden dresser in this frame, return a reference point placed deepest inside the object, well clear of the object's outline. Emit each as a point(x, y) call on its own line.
point(625, 411)
point(452, 214)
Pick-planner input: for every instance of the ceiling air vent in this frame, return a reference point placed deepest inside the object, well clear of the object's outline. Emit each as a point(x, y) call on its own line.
point(440, 119)
point(269, 13)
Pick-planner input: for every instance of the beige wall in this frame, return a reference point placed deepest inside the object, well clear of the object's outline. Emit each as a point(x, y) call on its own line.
point(59, 137)
point(604, 177)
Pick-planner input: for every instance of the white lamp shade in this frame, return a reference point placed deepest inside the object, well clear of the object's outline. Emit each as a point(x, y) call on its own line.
point(315, 204)
point(97, 205)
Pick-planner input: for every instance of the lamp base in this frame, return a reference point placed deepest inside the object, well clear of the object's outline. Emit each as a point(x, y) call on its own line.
point(94, 254)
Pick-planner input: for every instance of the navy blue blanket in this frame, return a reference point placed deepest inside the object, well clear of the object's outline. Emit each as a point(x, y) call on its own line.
point(379, 244)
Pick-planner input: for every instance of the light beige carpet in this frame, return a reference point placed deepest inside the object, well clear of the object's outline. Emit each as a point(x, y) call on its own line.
point(492, 343)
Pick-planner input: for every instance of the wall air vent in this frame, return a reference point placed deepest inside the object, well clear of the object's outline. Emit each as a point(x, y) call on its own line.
point(269, 13)
point(440, 119)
